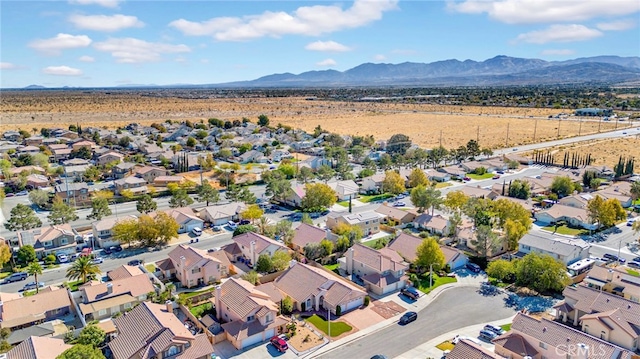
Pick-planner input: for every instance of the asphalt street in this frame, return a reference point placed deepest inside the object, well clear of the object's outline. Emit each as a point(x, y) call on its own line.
point(454, 308)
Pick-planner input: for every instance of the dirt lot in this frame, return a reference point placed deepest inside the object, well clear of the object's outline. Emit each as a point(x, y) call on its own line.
point(604, 152)
point(426, 125)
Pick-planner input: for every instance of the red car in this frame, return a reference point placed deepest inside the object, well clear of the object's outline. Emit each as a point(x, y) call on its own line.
point(279, 343)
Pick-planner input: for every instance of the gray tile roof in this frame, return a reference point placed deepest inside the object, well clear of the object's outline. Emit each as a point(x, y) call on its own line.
point(38, 348)
point(553, 244)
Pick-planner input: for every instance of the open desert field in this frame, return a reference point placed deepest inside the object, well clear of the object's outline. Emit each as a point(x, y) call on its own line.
point(427, 125)
point(604, 152)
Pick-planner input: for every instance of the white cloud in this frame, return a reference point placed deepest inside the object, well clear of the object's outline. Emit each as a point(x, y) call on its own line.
point(105, 22)
point(379, 57)
point(545, 11)
point(8, 66)
point(61, 42)
point(326, 63)
point(104, 3)
point(86, 58)
point(619, 25)
point(62, 71)
point(327, 46)
point(306, 20)
point(557, 52)
point(559, 33)
point(133, 51)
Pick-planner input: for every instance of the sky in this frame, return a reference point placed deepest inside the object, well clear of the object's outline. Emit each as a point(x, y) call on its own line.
point(105, 43)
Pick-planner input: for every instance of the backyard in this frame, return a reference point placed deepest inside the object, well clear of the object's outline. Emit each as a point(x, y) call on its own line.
point(337, 328)
point(200, 310)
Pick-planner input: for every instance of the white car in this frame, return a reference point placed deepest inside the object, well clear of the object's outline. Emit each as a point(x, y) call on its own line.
point(197, 231)
point(233, 225)
point(63, 258)
point(97, 260)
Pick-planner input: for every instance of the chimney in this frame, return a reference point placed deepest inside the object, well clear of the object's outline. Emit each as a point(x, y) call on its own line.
point(168, 306)
point(109, 288)
point(610, 275)
point(582, 351)
point(218, 296)
point(252, 252)
point(350, 260)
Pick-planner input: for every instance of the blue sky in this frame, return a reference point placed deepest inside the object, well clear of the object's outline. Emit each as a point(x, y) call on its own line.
point(94, 43)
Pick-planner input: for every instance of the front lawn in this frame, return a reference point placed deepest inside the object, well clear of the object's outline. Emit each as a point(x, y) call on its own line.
point(443, 184)
point(3, 275)
point(343, 203)
point(332, 267)
point(337, 328)
point(480, 177)
point(423, 282)
point(151, 268)
point(377, 197)
point(564, 229)
point(633, 272)
point(506, 327)
point(446, 345)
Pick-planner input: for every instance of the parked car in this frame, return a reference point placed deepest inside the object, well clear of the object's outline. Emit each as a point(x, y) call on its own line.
point(97, 260)
point(487, 335)
point(197, 231)
point(214, 249)
point(474, 267)
point(613, 258)
point(379, 356)
point(636, 259)
point(495, 177)
point(410, 292)
point(63, 258)
point(216, 228)
point(500, 172)
point(233, 225)
point(279, 343)
point(16, 277)
point(107, 250)
point(244, 222)
point(493, 328)
point(117, 248)
point(325, 212)
point(408, 317)
point(632, 221)
point(467, 179)
point(22, 193)
point(634, 265)
point(32, 285)
point(135, 262)
point(399, 204)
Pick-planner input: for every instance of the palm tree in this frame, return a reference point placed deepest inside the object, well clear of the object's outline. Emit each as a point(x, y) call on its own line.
point(34, 269)
point(83, 268)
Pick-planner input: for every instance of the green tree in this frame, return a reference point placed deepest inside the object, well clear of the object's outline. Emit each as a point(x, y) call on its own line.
point(125, 231)
point(327, 246)
point(252, 213)
point(242, 229)
point(61, 213)
point(99, 208)
point(251, 277)
point(283, 230)
point(167, 228)
point(146, 204)
point(286, 306)
point(264, 264)
point(418, 177)
point(306, 218)
point(502, 270)
point(263, 120)
point(305, 174)
point(22, 218)
point(206, 193)
point(473, 149)
point(26, 254)
point(455, 201)
point(83, 269)
point(191, 142)
point(398, 144)
point(486, 241)
point(39, 197)
point(81, 351)
point(562, 186)
point(318, 197)
point(542, 273)
point(325, 173)
point(605, 212)
point(5, 254)
point(393, 183)
point(91, 335)
point(519, 189)
point(34, 268)
point(180, 198)
point(429, 254)
point(277, 185)
point(635, 190)
point(280, 260)
point(92, 173)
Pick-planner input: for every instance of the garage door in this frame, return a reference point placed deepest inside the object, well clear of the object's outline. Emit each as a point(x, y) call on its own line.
point(354, 304)
point(254, 339)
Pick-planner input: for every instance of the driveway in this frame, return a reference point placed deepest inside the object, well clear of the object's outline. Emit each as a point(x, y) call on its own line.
point(453, 309)
point(363, 318)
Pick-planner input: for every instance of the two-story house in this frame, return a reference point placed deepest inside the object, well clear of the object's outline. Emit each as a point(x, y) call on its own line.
point(195, 267)
point(50, 239)
point(109, 157)
point(122, 169)
point(49, 304)
point(135, 184)
point(252, 245)
point(308, 234)
point(614, 280)
point(73, 193)
point(103, 230)
point(186, 219)
point(250, 316)
point(149, 173)
point(382, 271)
point(38, 347)
point(152, 331)
point(372, 184)
point(396, 215)
point(368, 221)
point(566, 250)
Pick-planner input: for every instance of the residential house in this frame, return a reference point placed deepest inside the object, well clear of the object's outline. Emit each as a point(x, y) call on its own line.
point(434, 175)
point(48, 329)
point(314, 162)
point(607, 316)
point(382, 271)
point(298, 191)
point(250, 316)
point(372, 184)
point(135, 184)
point(472, 166)
point(152, 331)
point(396, 215)
point(149, 173)
point(37, 181)
point(478, 192)
point(614, 280)
point(466, 349)
point(454, 258)
point(75, 172)
point(61, 154)
point(620, 191)
point(57, 239)
point(368, 221)
point(219, 215)
point(456, 172)
point(279, 155)
point(49, 304)
point(186, 218)
point(103, 230)
point(28, 169)
point(252, 245)
point(578, 200)
point(74, 193)
point(104, 300)
point(13, 136)
point(163, 181)
point(38, 348)
point(83, 144)
point(577, 217)
point(252, 156)
point(28, 150)
point(194, 267)
point(344, 190)
point(468, 237)
point(407, 246)
point(122, 169)
point(435, 224)
point(565, 249)
point(309, 234)
point(109, 157)
point(544, 338)
point(33, 141)
point(313, 288)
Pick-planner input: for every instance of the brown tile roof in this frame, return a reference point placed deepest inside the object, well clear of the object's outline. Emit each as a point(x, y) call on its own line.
point(183, 214)
point(107, 326)
point(306, 233)
point(428, 221)
point(36, 236)
point(271, 290)
point(262, 242)
point(124, 271)
point(221, 256)
point(242, 297)
point(110, 302)
point(466, 349)
point(515, 343)
point(136, 286)
point(107, 224)
point(382, 280)
point(301, 281)
point(165, 264)
point(406, 245)
point(619, 278)
point(224, 211)
point(194, 257)
point(241, 330)
point(200, 347)
point(29, 309)
point(395, 213)
point(38, 348)
point(560, 336)
point(450, 254)
point(380, 261)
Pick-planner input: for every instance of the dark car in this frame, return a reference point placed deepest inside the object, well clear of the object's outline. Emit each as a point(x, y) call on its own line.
point(134, 262)
point(487, 335)
point(474, 267)
point(613, 258)
point(408, 317)
point(279, 343)
point(107, 251)
point(379, 356)
point(244, 221)
point(410, 292)
point(16, 277)
point(117, 248)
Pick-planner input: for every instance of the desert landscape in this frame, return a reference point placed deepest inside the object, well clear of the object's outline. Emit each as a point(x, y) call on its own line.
point(603, 152)
point(428, 125)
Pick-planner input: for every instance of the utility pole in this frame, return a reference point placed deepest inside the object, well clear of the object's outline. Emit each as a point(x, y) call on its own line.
point(329, 323)
point(579, 127)
point(599, 123)
point(440, 138)
point(506, 142)
point(535, 128)
point(478, 136)
point(430, 275)
point(558, 128)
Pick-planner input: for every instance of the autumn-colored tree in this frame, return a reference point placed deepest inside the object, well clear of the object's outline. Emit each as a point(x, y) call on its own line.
point(417, 177)
point(318, 197)
point(393, 183)
point(429, 254)
point(252, 213)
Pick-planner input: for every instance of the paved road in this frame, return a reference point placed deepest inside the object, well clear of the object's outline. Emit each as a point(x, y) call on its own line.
point(454, 308)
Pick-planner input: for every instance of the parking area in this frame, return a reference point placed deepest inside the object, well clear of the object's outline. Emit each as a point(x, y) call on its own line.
point(226, 350)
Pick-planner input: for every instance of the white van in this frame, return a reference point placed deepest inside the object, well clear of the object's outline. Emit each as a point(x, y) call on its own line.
point(197, 231)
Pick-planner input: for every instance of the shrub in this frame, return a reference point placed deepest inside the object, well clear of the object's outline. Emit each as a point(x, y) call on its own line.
point(480, 171)
point(367, 299)
point(339, 310)
point(50, 259)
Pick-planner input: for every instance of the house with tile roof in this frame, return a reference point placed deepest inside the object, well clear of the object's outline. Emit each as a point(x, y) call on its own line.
point(434, 224)
point(315, 288)
point(149, 173)
point(38, 348)
point(577, 217)
point(151, 331)
point(221, 214)
point(185, 217)
point(103, 300)
point(344, 189)
point(194, 267)
point(103, 230)
point(546, 338)
point(109, 157)
point(614, 280)
point(466, 349)
point(124, 271)
point(407, 245)
point(252, 245)
point(250, 315)
point(368, 221)
point(372, 184)
point(309, 234)
point(397, 215)
point(135, 184)
point(73, 192)
point(49, 304)
point(606, 315)
point(565, 249)
point(382, 271)
point(50, 239)
point(49, 329)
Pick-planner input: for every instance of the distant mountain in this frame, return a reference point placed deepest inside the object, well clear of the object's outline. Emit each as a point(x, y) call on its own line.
point(498, 71)
point(34, 87)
